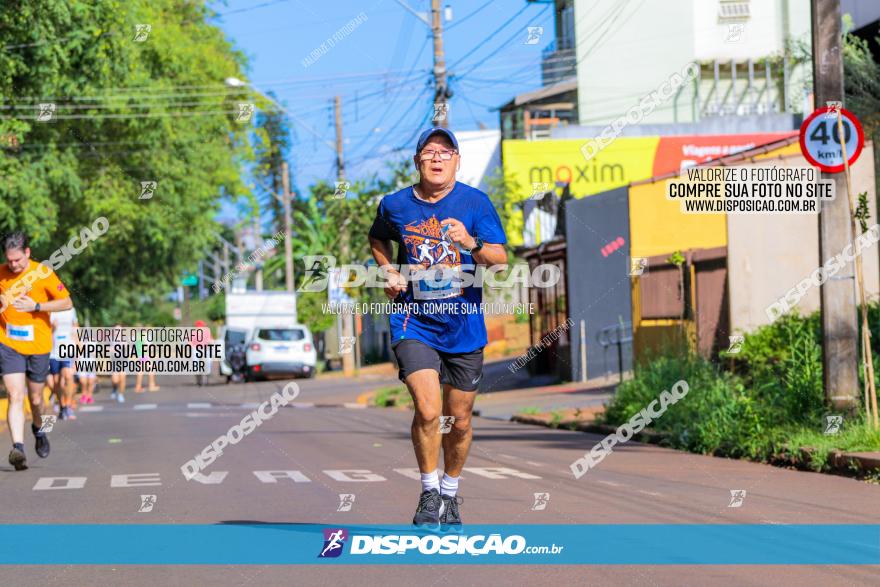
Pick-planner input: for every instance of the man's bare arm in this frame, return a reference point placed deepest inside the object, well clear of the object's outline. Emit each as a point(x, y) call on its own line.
point(394, 283)
point(381, 250)
point(490, 254)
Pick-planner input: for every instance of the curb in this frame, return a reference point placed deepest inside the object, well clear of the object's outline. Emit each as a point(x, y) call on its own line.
point(840, 462)
point(844, 462)
point(365, 398)
point(649, 436)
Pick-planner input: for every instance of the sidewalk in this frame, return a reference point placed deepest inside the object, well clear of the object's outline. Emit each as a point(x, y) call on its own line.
point(516, 396)
point(559, 402)
point(506, 395)
point(377, 371)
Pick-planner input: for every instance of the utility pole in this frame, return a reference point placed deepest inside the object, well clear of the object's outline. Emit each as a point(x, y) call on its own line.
point(838, 303)
point(225, 258)
point(288, 245)
point(344, 321)
point(340, 163)
point(441, 90)
point(441, 93)
point(258, 237)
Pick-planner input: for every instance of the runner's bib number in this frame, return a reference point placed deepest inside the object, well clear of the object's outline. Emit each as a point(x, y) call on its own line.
point(437, 283)
point(24, 333)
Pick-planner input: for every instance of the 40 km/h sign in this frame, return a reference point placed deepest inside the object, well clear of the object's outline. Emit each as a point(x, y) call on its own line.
point(820, 139)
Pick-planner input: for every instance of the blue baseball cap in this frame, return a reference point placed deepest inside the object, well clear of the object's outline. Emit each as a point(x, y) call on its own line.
point(436, 130)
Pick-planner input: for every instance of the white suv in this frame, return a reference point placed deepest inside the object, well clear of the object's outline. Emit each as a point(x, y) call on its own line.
point(281, 351)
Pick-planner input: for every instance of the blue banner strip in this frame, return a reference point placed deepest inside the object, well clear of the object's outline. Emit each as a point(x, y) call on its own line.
point(287, 544)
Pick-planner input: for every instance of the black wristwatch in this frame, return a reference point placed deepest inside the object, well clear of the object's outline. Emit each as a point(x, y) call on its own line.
point(477, 246)
point(37, 307)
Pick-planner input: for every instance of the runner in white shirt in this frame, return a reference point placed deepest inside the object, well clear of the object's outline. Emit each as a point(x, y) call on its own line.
point(61, 382)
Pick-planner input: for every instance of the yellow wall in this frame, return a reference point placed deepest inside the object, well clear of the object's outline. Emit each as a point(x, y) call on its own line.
point(657, 226)
point(527, 162)
point(623, 161)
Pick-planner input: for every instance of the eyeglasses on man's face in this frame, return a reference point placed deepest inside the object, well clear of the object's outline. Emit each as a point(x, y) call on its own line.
point(428, 154)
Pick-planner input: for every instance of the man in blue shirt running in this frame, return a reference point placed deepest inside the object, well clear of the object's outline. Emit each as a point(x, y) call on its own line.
point(443, 229)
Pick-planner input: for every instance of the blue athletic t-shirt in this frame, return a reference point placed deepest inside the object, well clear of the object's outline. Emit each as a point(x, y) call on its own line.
point(415, 225)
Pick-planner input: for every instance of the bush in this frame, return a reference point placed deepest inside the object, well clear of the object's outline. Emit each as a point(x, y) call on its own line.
point(769, 400)
point(716, 416)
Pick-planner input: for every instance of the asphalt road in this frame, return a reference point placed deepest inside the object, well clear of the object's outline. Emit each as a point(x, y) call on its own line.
point(294, 467)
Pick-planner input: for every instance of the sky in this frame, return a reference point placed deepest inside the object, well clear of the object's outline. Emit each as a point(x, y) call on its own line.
point(382, 70)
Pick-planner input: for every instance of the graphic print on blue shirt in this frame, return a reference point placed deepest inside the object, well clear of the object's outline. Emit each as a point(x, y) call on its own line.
point(415, 225)
point(438, 275)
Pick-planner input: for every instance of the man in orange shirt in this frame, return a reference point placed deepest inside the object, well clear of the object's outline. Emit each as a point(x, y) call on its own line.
point(28, 292)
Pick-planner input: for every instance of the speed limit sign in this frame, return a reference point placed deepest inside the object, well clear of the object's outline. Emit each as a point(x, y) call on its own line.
point(820, 139)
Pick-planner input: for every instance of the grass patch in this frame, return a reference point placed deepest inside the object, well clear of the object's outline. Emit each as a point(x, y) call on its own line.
point(853, 438)
point(397, 395)
point(530, 411)
point(555, 418)
point(765, 402)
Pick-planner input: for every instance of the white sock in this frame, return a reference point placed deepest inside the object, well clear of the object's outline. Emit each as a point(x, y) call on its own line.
point(449, 485)
point(430, 481)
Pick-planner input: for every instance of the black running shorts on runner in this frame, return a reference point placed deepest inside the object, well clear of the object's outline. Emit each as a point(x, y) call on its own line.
point(460, 370)
point(35, 367)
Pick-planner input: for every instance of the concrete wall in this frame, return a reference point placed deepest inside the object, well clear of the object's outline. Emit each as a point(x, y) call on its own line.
point(763, 33)
point(625, 51)
point(480, 156)
point(770, 254)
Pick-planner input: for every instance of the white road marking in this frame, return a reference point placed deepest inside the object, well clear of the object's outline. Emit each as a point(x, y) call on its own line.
point(146, 406)
point(135, 480)
point(301, 405)
point(271, 477)
point(91, 409)
point(410, 473)
point(535, 464)
point(250, 405)
point(355, 406)
point(652, 493)
point(274, 476)
point(356, 475)
point(198, 406)
point(611, 483)
point(414, 473)
point(47, 483)
point(213, 478)
point(499, 473)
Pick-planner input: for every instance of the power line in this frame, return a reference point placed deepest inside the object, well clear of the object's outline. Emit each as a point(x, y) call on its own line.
point(121, 116)
point(500, 47)
point(131, 91)
point(462, 20)
point(391, 103)
point(490, 37)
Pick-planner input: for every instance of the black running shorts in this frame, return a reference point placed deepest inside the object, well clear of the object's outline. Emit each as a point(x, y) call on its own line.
point(460, 370)
point(36, 367)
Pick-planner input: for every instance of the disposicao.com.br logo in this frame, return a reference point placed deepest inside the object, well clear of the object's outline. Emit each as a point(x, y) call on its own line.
point(429, 544)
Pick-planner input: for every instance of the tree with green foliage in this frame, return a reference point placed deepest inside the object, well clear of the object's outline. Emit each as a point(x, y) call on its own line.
point(862, 89)
point(129, 104)
point(272, 148)
point(324, 224)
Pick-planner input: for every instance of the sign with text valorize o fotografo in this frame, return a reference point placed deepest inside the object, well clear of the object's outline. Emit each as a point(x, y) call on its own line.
point(820, 138)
